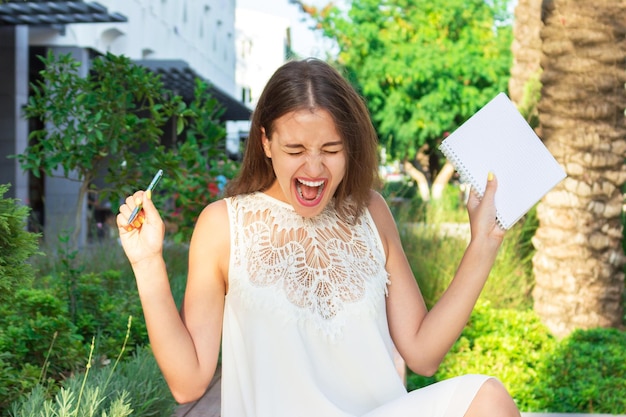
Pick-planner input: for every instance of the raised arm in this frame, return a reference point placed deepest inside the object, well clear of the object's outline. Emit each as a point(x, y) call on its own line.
point(185, 344)
point(424, 337)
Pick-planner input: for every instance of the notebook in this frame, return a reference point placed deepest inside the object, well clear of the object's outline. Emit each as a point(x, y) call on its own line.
point(497, 138)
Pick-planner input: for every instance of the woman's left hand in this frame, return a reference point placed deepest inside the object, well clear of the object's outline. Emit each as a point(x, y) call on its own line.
point(482, 213)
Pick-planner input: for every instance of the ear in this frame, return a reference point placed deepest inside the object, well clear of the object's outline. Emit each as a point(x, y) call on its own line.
point(266, 143)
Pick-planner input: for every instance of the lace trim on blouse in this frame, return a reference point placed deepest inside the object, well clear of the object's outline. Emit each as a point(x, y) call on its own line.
point(320, 265)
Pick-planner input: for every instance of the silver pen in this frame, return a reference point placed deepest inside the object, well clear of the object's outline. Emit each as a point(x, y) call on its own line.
point(153, 184)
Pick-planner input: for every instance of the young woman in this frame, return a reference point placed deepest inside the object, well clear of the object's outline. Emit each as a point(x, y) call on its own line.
point(300, 277)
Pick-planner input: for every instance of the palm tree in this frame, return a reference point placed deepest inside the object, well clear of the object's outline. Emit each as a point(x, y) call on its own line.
point(526, 48)
point(579, 261)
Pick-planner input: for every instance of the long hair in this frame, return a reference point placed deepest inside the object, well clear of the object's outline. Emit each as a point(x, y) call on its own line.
point(313, 84)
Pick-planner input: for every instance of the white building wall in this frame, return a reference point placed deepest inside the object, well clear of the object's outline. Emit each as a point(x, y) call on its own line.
point(200, 32)
point(261, 41)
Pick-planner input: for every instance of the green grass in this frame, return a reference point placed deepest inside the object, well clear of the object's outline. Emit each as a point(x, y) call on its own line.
point(434, 251)
point(108, 255)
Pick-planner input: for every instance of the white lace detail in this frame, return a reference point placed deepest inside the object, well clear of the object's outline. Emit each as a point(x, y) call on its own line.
point(321, 264)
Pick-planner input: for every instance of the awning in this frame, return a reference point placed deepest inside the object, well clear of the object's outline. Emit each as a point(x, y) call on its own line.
point(179, 77)
point(46, 13)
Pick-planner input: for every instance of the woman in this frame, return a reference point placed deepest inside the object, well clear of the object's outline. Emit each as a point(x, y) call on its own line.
point(299, 275)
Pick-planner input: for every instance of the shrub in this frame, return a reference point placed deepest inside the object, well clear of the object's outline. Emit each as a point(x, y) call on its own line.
point(44, 327)
point(134, 386)
point(583, 373)
point(96, 303)
point(505, 343)
point(508, 344)
point(36, 329)
point(586, 373)
point(16, 246)
point(41, 342)
point(67, 404)
point(102, 304)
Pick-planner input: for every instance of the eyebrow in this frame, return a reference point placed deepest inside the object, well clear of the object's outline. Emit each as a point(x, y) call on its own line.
point(299, 145)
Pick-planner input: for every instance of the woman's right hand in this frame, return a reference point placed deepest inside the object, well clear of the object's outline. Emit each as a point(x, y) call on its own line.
point(143, 239)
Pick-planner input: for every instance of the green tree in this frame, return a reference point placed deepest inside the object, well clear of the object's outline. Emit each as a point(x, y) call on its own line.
point(579, 263)
point(109, 123)
point(424, 67)
point(204, 165)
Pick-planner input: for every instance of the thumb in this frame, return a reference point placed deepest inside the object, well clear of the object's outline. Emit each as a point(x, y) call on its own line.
point(150, 210)
point(490, 188)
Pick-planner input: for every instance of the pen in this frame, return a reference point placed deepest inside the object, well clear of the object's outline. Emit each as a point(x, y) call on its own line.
point(153, 184)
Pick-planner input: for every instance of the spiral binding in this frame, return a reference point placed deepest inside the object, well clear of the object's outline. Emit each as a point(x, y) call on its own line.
point(466, 176)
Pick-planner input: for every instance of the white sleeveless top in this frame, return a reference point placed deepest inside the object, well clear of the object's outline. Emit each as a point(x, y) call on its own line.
point(305, 330)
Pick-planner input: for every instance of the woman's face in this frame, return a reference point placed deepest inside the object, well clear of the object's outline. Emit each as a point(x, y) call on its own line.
point(309, 160)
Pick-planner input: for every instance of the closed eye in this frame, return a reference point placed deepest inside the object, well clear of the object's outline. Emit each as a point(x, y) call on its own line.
point(331, 150)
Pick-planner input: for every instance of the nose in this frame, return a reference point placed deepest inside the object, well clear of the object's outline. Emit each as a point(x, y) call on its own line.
point(314, 165)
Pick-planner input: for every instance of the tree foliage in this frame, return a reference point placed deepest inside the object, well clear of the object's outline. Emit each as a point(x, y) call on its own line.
point(108, 123)
point(109, 126)
point(17, 245)
point(203, 167)
point(424, 67)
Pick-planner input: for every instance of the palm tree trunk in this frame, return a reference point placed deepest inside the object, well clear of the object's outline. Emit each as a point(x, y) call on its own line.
point(579, 261)
point(526, 49)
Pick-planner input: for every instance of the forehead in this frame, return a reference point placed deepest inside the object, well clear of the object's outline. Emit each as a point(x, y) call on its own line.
point(307, 124)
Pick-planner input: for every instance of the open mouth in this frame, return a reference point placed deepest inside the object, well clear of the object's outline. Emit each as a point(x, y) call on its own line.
point(309, 191)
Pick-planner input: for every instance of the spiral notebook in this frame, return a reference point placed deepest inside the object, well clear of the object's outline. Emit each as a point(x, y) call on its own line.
point(498, 139)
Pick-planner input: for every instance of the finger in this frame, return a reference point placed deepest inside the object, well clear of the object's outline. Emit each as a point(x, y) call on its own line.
point(490, 188)
point(122, 220)
point(473, 199)
point(127, 207)
point(131, 201)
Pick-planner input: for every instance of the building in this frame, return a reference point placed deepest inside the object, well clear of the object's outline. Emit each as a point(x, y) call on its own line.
point(180, 39)
point(262, 44)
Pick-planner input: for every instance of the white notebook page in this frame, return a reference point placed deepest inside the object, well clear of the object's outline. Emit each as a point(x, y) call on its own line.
point(498, 139)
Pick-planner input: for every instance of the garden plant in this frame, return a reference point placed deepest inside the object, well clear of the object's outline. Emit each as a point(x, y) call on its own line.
point(53, 358)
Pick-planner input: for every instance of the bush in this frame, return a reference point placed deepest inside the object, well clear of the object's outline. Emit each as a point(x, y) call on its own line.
point(16, 246)
point(583, 373)
point(102, 303)
point(134, 386)
point(46, 327)
point(586, 373)
point(36, 330)
point(504, 343)
point(508, 344)
point(96, 303)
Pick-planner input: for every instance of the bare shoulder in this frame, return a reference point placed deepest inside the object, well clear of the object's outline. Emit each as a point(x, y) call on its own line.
point(212, 224)
point(383, 219)
point(379, 209)
point(213, 214)
point(210, 242)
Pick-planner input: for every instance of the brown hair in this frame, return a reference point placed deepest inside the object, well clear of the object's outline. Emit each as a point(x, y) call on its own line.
point(310, 84)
